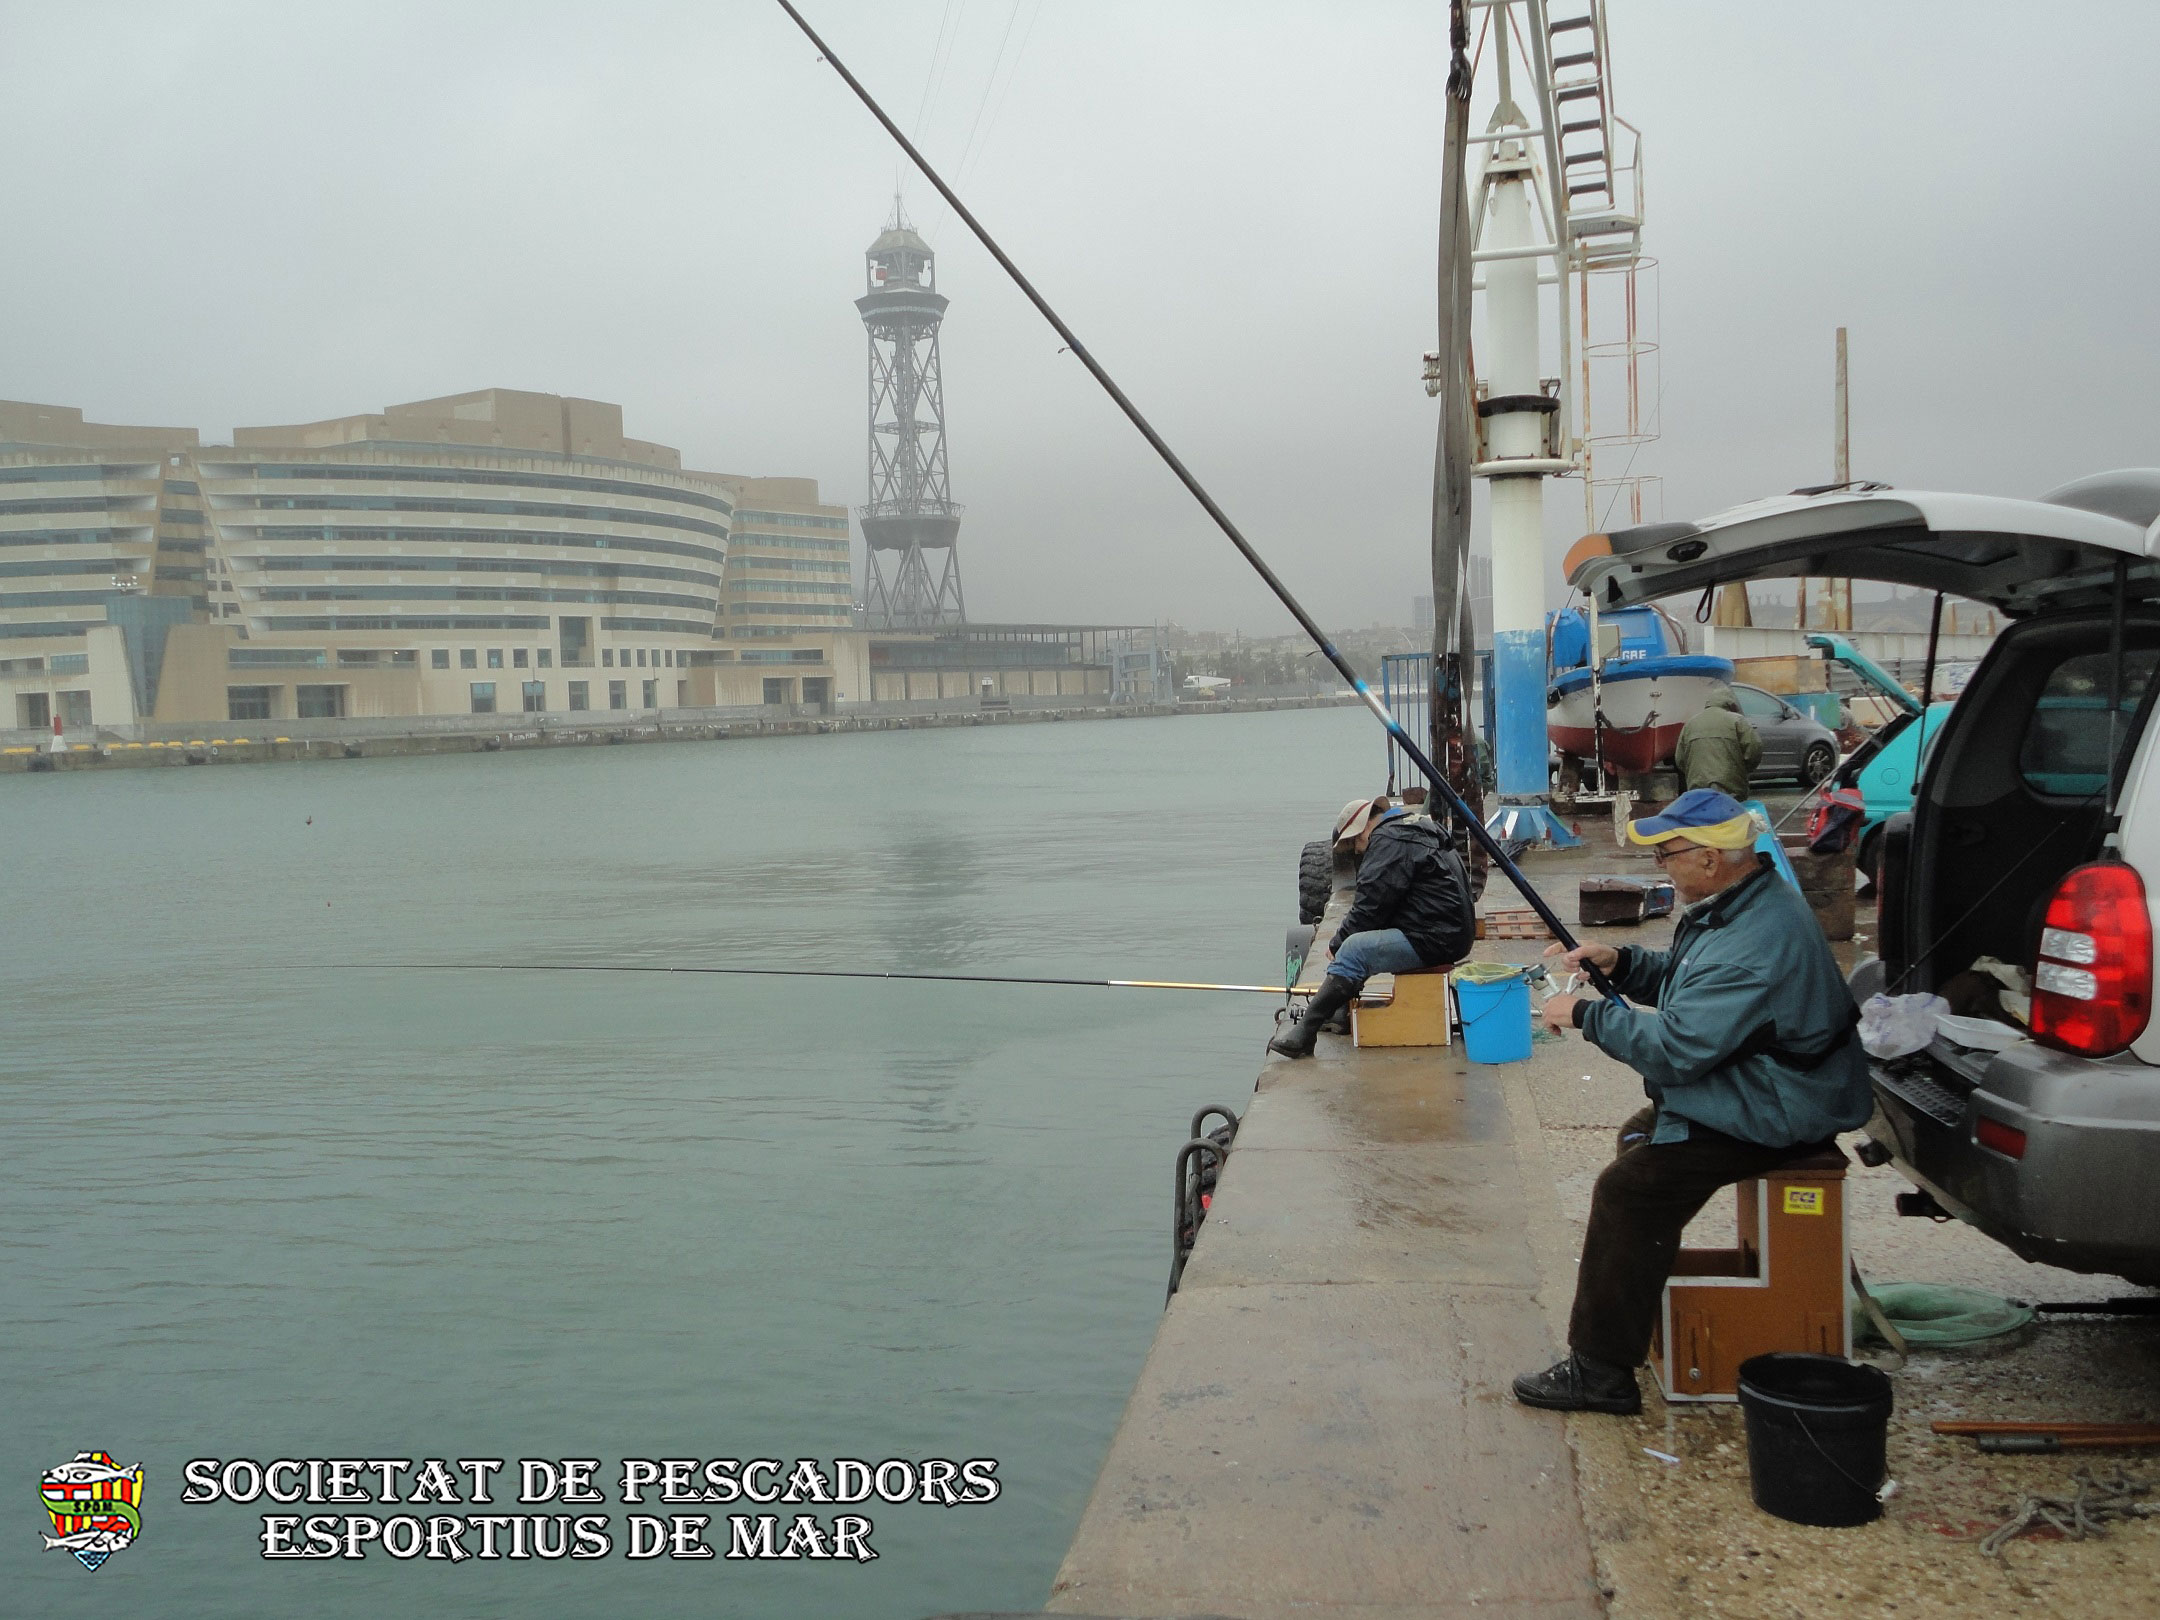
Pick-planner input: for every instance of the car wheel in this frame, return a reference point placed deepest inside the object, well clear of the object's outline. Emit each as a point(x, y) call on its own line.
point(1820, 761)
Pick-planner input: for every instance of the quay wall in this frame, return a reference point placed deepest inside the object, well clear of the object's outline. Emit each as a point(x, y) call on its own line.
point(151, 746)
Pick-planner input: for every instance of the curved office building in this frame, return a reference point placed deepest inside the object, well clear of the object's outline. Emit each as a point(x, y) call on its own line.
point(487, 519)
point(489, 552)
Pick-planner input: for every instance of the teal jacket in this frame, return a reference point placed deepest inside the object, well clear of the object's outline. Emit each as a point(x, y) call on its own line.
point(1754, 1030)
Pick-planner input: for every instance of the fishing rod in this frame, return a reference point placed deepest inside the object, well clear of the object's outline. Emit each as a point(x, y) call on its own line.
point(1306, 622)
point(817, 973)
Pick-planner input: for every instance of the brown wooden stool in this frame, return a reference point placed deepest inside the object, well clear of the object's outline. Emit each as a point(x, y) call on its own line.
point(1402, 1009)
point(1782, 1287)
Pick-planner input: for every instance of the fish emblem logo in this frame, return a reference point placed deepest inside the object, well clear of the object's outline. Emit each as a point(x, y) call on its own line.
point(94, 1504)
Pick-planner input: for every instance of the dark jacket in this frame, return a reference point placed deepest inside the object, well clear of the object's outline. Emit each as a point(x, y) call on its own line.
point(1412, 879)
point(1718, 749)
point(1754, 1029)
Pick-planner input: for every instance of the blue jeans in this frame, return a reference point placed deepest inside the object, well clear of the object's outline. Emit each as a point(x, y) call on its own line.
point(1383, 950)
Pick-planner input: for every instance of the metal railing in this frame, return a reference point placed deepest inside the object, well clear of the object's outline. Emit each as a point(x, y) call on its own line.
point(1406, 692)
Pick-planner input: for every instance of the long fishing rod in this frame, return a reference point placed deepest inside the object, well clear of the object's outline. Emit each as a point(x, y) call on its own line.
point(818, 973)
point(1306, 622)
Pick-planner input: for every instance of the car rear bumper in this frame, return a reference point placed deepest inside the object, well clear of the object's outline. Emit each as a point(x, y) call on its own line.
point(2081, 1195)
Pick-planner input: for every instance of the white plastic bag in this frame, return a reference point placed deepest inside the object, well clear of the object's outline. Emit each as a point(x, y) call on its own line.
point(1892, 1026)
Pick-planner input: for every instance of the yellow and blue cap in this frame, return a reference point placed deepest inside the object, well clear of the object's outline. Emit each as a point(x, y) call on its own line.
point(1701, 816)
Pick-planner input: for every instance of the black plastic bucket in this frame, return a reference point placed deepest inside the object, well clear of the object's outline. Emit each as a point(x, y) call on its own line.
point(1815, 1436)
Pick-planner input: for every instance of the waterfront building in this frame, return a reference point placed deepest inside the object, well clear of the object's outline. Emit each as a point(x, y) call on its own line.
point(100, 547)
point(789, 568)
point(492, 552)
point(488, 552)
point(1101, 662)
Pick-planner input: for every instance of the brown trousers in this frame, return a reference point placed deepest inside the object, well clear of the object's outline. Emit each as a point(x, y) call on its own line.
point(1643, 1201)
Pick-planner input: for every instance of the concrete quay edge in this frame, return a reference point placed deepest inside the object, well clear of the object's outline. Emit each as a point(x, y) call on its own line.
point(1322, 1426)
point(111, 755)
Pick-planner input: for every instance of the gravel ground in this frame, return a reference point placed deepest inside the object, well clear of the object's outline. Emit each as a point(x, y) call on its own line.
point(1686, 1538)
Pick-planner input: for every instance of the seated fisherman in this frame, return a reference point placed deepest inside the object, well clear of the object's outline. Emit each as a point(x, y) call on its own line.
point(1413, 910)
point(1743, 1033)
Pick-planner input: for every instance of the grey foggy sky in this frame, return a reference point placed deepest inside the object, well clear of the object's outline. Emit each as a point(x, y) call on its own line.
point(251, 213)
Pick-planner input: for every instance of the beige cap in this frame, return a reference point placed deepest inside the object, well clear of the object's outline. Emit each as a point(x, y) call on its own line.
point(1356, 817)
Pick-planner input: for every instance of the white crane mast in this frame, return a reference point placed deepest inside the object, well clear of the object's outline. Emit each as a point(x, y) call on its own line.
point(1552, 207)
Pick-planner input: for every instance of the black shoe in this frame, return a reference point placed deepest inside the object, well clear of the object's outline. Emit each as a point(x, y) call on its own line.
point(1581, 1385)
point(1298, 1040)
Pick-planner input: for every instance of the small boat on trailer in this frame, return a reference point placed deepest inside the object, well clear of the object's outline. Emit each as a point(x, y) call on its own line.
point(1622, 684)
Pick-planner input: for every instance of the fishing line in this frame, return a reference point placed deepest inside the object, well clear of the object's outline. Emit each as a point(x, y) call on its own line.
point(1222, 520)
point(814, 973)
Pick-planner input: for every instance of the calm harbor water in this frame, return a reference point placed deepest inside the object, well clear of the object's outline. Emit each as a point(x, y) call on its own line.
point(261, 1198)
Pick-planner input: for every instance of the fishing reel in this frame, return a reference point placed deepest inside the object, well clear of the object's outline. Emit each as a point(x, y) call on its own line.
point(1541, 981)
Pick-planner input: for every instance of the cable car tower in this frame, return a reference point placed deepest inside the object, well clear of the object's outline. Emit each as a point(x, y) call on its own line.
point(1555, 200)
point(911, 513)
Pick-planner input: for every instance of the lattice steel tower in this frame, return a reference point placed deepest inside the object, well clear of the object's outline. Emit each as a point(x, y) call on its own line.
point(911, 512)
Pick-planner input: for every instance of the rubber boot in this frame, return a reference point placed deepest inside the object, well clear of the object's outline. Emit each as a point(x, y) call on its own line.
point(1297, 1041)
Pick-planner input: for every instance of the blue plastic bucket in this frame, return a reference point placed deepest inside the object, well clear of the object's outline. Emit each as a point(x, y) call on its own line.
point(1495, 1018)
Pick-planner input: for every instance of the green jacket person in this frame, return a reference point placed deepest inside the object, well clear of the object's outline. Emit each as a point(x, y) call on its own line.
point(1718, 748)
point(1744, 1034)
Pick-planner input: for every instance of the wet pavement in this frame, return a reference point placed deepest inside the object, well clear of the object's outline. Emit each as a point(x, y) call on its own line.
point(1318, 1430)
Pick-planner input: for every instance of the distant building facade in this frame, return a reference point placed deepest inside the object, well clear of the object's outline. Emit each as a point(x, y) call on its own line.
point(101, 545)
point(1421, 607)
point(789, 563)
point(494, 552)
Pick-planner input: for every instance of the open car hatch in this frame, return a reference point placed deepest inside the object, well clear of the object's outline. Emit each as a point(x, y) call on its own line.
point(2017, 556)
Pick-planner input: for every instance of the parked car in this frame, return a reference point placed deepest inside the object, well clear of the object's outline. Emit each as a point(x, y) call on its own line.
point(1793, 744)
point(2031, 840)
point(1885, 768)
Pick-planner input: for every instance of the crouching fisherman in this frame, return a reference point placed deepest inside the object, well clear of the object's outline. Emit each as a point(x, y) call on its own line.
point(1744, 1037)
point(1413, 911)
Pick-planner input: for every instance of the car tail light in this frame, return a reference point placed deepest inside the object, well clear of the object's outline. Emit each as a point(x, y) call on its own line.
point(2007, 1140)
point(2092, 981)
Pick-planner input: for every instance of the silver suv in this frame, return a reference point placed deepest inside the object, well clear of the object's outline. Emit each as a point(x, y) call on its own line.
point(2036, 823)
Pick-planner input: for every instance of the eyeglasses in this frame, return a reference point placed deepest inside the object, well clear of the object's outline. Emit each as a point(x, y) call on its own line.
point(1665, 852)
